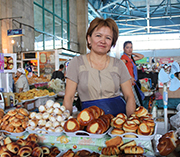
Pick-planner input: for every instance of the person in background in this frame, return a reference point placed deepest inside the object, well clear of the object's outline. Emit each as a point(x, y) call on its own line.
point(21, 84)
point(97, 76)
point(129, 59)
point(58, 74)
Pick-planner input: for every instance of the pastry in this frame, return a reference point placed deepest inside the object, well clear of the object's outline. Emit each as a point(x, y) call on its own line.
point(69, 153)
point(32, 137)
point(111, 150)
point(56, 105)
point(12, 113)
point(3, 149)
point(49, 124)
point(42, 122)
point(59, 118)
point(58, 129)
point(11, 118)
point(50, 110)
point(32, 115)
point(7, 140)
point(13, 147)
point(96, 110)
point(1, 112)
point(106, 119)
point(82, 153)
point(117, 131)
point(63, 108)
point(133, 150)
point(32, 144)
point(9, 66)
point(130, 126)
point(24, 124)
point(19, 116)
point(21, 142)
point(121, 115)
point(128, 144)
point(37, 152)
point(55, 150)
point(10, 60)
point(71, 125)
point(24, 112)
point(56, 124)
point(10, 128)
point(117, 122)
point(45, 116)
point(16, 122)
point(39, 116)
point(6, 117)
point(42, 108)
point(115, 141)
point(144, 129)
point(134, 119)
point(25, 151)
point(57, 111)
point(7, 154)
point(18, 129)
point(49, 104)
point(141, 111)
point(46, 150)
point(33, 123)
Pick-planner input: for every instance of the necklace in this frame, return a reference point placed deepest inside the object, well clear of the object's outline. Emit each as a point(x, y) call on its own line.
point(104, 64)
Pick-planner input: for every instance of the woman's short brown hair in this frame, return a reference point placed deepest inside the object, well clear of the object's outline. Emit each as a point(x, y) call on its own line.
point(100, 22)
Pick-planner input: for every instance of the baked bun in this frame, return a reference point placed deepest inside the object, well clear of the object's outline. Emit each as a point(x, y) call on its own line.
point(24, 112)
point(32, 137)
point(16, 122)
point(25, 151)
point(106, 119)
point(144, 129)
point(3, 149)
point(115, 141)
point(37, 152)
point(96, 127)
point(10, 128)
point(19, 116)
point(128, 144)
point(49, 104)
point(55, 150)
point(56, 105)
point(21, 142)
point(18, 129)
point(141, 111)
point(32, 115)
point(42, 108)
point(31, 144)
point(117, 131)
point(46, 150)
point(111, 150)
point(134, 150)
point(7, 154)
point(170, 134)
point(13, 147)
point(9, 66)
point(71, 125)
point(130, 126)
point(85, 117)
point(82, 153)
point(1, 113)
point(7, 140)
point(121, 115)
point(10, 60)
point(117, 122)
point(12, 112)
point(134, 119)
point(96, 110)
point(69, 153)
point(110, 116)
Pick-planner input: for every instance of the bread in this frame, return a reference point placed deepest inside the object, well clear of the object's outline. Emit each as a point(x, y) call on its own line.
point(42, 108)
point(32, 144)
point(117, 131)
point(7, 140)
point(7, 154)
point(55, 150)
point(18, 129)
point(170, 134)
point(32, 137)
point(134, 150)
point(144, 129)
point(82, 153)
point(166, 146)
point(46, 150)
point(25, 151)
point(9, 66)
point(1, 113)
point(6, 117)
point(12, 112)
point(106, 119)
point(49, 103)
point(71, 125)
point(16, 122)
point(121, 115)
point(134, 119)
point(117, 122)
point(10, 128)
point(56, 105)
point(19, 116)
point(10, 60)
point(13, 147)
point(141, 111)
point(3, 149)
point(115, 141)
point(37, 152)
point(96, 110)
point(111, 150)
point(102, 111)
point(24, 112)
point(85, 117)
point(95, 127)
point(130, 126)
point(21, 142)
point(128, 144)
point(69, 153)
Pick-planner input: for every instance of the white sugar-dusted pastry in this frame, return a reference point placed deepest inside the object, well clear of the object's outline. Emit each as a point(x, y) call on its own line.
point(39, 116)
point(56, 105)
point(59, 118)
point(62, 123)
point(45, 116)
point(49, 104)
point(49, 124)
point(33, 123)
point(32, 115)
point(31, 128)
point(57, 111)
point(50, 110)
point(42, 122)
point(52, 118)
point(42, 108)
point(58, 129)
point(67, 113)
point(56, 124)
point(63, 108)
point(64, 115)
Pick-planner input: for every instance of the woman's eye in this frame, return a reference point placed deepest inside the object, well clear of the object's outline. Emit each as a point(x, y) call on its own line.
point(98, 35)
point(108, 38)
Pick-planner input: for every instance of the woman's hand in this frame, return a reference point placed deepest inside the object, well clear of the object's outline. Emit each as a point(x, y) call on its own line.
point(133, 81)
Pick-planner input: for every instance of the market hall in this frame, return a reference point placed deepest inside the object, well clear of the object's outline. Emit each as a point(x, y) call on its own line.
point(59, 117)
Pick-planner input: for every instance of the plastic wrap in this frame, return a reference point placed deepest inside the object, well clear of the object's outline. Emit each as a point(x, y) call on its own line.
point(175, 120)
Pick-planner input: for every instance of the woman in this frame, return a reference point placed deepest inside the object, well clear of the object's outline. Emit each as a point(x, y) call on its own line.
point(21, 84)
point(97, 76)
point(129, 59)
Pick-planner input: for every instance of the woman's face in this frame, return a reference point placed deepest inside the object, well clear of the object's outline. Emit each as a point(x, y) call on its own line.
point(101, 40)
point(128, 49)
point(18, 73)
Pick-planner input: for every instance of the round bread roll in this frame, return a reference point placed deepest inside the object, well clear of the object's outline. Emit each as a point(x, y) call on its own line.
point(130, 126)
point(49, 104)
point(16, 122)
point(122, 115)
point(32, 115)
point(21, 142)
point(71, 125)
point(46, 150)
point(144, 129)
point(45, 116)
point(141, 111)
point(32, 144)
point(56, 105)
point(37, 152)
point(19, 116)
point(13, 147)
point(18, 129)
point(117, 131)
point(85, 117)
point(42, 108)
point(117, 122)
point(1, 113)
point(12, 112)
point(24, 112)
point(32, 137)
point(10, 128)
point(25, 151)
point(58, 129)
point(134, 119)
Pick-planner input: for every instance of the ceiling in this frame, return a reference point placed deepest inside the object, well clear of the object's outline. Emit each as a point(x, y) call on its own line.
point(135, 17)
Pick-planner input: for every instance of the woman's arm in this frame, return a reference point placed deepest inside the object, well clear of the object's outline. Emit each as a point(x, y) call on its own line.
point(69, 94)
point(20, 90)
point(137, 56)
point(129, 97)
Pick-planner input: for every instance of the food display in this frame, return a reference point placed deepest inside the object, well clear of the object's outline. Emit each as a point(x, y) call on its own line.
point(26, 147)
point(50, 119)
point(140, 123)
point(92, 119)
point(35, 79)
point(8, 62)
point(14, 121)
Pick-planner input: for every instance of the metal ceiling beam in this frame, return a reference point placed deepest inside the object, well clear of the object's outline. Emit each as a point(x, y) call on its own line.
point(94, 10)
point(108, 5)
point(157, 7)
point(135, 30)
point(147, 6)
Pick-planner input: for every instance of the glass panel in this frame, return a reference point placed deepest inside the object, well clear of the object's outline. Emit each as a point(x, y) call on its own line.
point(48, 42)
point(58, 27)
point(65, 9)
point(57, 7)
point(38, 41)
point(48, 23)
point(48, 4)
point(65, 44)
point(38, 1)
point(65, 35)
point(38, 22)
point(58, 43)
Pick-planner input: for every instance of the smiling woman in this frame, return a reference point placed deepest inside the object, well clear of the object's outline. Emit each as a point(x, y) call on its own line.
point(97, 76)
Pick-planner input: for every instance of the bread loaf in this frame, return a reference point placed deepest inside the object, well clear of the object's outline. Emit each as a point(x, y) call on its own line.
point(115, 141)
point(134, 150)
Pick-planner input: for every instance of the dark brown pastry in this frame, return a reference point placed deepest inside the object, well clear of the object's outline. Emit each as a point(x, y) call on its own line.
point(97, 111)
point(32, 144)
point(32, 137)
point(69, 153)
point(37, 152)
point(10, 60)
point(21, 142)
point(115, 141)
point(134, 150)
point(25, 151)
point(71, 125)
point(18, 129)
point(13, 147)
point(46, 150)
point(55, 150)
point(7, 154)
point(95, 127)
point(3, 149)
point(82, 153)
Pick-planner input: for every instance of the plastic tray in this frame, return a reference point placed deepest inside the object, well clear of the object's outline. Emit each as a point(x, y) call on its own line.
point(48, 133)
point(23, 101)
point(52, 96)
point(13, 134)
point(41, 97)
point(82, 133)
point(141, 137)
